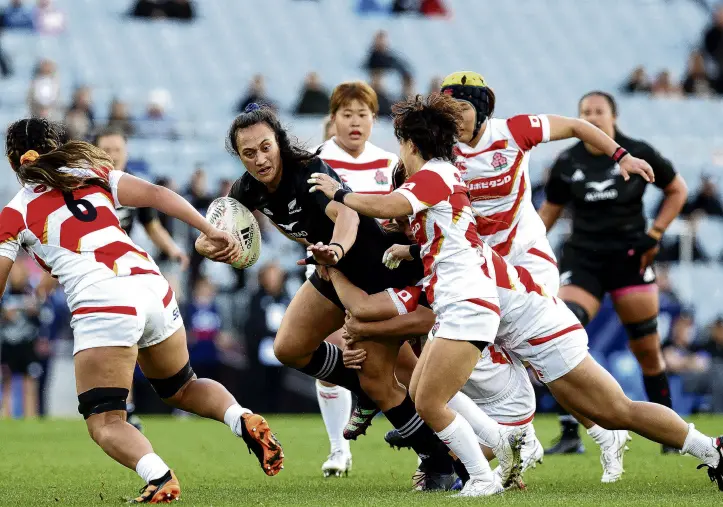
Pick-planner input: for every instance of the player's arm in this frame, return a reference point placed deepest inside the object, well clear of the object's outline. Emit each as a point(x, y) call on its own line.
point(358, 303)
point(563, 127)
point(409, 325)
point(137, 193)
point(557, 193)
point(6, 264)
point(672, 185)
point(163, 240)
point(11, 225)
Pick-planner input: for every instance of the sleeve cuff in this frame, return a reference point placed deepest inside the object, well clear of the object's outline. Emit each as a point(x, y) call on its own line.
point(397, 303)
point(545, 122)
point(417, 205)
point(113, 179)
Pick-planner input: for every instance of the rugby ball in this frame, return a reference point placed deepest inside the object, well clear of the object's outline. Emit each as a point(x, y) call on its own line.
point(229, 215)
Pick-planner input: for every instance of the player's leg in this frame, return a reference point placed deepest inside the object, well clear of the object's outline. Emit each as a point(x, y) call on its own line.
point(377, 377)
point(445, 365)
point(406, 361)
point(335, 406)
point(582, 293)
point(167, 367)
point(103, 377)
point(637, 307)
point(299, 342)
point(590, 390)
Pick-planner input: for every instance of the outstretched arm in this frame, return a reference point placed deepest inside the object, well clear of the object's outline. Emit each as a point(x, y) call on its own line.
point(563, 127)
point(358, 303)
point(410, 325)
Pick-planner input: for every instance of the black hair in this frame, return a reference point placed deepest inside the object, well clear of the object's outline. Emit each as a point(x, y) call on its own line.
point(430, 123)
point(292, 152)
point(608, 97)
point(37, 134)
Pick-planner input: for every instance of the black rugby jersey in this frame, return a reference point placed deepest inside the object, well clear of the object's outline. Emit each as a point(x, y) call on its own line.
point(607, 210)
point(301, 215)
point(128, 216)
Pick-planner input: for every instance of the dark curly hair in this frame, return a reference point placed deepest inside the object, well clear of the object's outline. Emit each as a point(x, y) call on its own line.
point(292, 152)
point(430, 123)
point(54, 150)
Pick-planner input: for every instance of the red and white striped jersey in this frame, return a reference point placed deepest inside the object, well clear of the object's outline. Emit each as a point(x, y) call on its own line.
point(444, 227)
point(369, 173)
point(497, 174)
point(76, 237)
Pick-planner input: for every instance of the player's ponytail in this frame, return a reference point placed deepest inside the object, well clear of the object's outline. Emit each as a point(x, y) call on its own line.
point(39, 149)
point(54, 169)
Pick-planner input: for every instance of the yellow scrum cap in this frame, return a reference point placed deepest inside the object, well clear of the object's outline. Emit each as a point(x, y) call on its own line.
point(464, 78)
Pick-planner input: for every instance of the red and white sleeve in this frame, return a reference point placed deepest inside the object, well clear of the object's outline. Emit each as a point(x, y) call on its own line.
point(529, 130)
point(11, 225)
point(425, 189)
point(406, 300)
point(114, 177)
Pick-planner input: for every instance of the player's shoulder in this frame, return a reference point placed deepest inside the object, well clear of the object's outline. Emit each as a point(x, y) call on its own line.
point(12, 215)
point(374, 152)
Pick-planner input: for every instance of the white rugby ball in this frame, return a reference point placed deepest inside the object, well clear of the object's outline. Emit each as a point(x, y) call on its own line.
point(229, 215)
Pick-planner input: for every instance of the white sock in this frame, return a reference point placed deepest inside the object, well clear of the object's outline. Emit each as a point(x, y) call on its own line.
point(151, 467)
point(602, 437)
point(461, 440)
point(335, 406)
point(232, 417)
point(486, 429)
point(702, 447)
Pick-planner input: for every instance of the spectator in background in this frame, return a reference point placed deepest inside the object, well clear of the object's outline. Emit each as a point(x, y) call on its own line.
point(678, 352)
point(638, 81)
point(663, 85)
point(433, 8)
point(266, 309)
point(314, 98)
point(696, 80)
point(329, 128)
point(149, 9)
point(435, 84)
point(382, 59)
point(203, 321)
point(19, 331)
point(44, 90)
point(706, 199)
point(224, 187)
point(48, 19)
point(5, 69)
point(79, 127)
point(713, 347)
point(17, 16)
point(156, 123)
point(83, 103)
point(713, 46)
point(198, 195)
point(180, 9)
point(385, 101)
point(256, 93)
point(405, 6)
point(670, 306)
point(120, 119)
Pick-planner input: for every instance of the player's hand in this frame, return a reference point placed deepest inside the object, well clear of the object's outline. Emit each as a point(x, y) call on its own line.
point(323, 183)
point(650, 247)
point(354, 358)
point(633, 165)
point(179, 256)
point(353, 330)
point(323, 273)
point(395, 254)
point(219, 246)
point(322, 254)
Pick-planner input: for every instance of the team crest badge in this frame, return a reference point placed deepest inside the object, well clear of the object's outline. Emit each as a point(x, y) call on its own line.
point(380, 178)
point(499, 161)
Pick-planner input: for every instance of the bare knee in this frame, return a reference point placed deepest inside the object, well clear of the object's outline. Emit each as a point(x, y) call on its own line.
point(288, 353)
point(100, 426)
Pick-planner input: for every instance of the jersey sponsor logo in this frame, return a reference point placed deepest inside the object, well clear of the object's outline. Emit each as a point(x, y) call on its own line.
point(267, 211)
point(601, 191)
point(499, 161)
point(289, 227)
point(578, 175)
point(494, 183)
point(380, 178)
point(292, 207)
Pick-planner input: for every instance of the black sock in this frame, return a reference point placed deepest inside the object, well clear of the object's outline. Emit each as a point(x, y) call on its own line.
point(423, 440)
point(570, 426)
point(327, 364)
point(657, 389)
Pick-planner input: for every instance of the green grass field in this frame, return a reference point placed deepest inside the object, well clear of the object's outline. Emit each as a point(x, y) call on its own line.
point(55, 463)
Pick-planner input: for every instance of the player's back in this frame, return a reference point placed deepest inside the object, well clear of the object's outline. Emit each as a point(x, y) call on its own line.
point(75, 236)
point(497, 175)
point(369, 173)
point(526, 311)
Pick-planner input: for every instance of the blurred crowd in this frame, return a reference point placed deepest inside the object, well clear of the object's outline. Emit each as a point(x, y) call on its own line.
point(703, 75)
